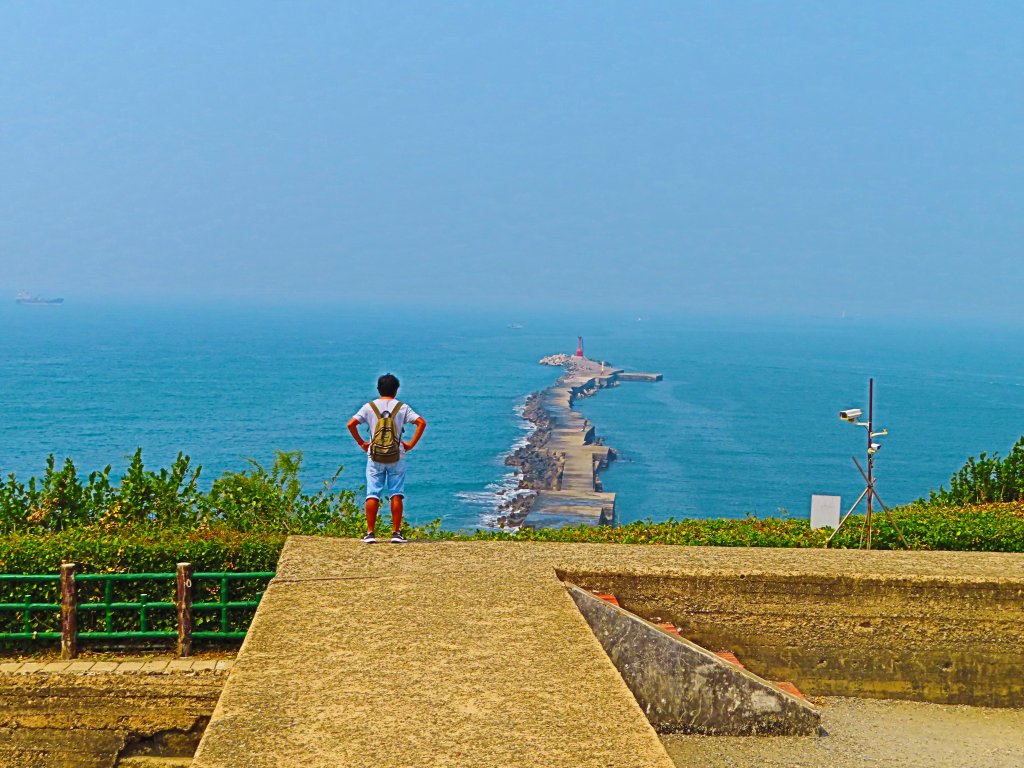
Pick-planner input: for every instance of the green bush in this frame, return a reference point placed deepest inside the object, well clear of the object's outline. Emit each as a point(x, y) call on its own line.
point(254, 500)
point(273, 501)
point(992, 528)
point(138, 550)
point(984, 480)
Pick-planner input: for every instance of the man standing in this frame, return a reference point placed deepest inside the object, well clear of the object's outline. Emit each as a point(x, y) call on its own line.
point(385, 464)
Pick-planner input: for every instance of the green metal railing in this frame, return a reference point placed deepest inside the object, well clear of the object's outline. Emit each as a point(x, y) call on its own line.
point(112, 610)
point(27, 607)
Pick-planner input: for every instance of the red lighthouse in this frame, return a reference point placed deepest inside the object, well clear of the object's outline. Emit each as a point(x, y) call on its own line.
point(579, 348)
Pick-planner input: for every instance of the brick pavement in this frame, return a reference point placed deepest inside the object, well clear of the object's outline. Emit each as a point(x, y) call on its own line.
point(146, 666)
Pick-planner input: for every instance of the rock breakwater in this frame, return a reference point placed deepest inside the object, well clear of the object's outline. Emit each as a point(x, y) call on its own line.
point(536, 467)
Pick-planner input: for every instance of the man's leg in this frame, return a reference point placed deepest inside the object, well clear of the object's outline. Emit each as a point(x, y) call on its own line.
point(372, 506)
point(396, 513)
point(374, 487)
point(396, 488)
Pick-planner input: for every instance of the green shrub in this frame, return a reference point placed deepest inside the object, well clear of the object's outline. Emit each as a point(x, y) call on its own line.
point(992, 528)
point(985, 479)
point(138, 550)
point(273, 501)
point(254, 500)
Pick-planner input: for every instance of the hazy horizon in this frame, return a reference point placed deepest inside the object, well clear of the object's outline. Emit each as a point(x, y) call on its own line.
point(778, 160)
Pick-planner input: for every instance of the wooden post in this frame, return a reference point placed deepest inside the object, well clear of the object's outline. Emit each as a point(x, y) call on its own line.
point(68, 612)
point(184, 601)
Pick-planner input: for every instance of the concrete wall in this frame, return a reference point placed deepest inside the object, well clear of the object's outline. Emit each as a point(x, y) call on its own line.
point(90, 720)
point(952, 641)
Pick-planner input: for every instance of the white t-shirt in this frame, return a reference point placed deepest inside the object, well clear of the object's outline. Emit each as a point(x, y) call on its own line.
point(405, 415)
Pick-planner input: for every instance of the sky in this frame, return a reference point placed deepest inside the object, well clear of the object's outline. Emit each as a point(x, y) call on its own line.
point(751, 157)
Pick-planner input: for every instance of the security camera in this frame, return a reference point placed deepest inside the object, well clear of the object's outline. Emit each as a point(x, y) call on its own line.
point(851, 414)
point(875, 447)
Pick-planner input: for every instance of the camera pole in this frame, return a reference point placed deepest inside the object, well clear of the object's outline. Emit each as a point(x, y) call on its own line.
point(869, 491)
point(871, 458)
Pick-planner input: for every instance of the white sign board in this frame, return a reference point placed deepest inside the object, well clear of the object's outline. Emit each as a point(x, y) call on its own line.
point(825, 511)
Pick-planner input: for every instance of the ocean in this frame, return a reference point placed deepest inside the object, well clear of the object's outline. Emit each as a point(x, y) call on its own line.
point(745, 421)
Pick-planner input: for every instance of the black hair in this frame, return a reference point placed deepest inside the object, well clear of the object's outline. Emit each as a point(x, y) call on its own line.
point(387, 385)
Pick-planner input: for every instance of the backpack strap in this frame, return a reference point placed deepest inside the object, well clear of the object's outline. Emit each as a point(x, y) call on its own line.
point(395, 408)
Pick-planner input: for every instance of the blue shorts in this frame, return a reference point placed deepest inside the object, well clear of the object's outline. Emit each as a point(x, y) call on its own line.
point(385, 476)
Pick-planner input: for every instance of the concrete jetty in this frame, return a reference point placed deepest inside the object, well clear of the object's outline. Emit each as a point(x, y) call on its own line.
point(579, 497)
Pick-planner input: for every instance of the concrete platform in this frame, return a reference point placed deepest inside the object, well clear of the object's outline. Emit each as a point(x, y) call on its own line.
point(473, 653)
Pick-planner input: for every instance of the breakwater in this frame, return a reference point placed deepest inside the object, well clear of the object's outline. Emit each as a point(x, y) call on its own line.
point(560, 465)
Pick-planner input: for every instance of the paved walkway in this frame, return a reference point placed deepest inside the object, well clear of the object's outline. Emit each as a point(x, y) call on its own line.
point(469, 653)
point(120, 667)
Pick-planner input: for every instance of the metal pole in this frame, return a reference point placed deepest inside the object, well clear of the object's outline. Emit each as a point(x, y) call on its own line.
point(862, 495)
point(871, 458)
point(892, 520)
point(184, 601)
point(68, 612)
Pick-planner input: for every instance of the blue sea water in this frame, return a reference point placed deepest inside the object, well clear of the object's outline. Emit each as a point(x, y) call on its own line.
point(744, 422)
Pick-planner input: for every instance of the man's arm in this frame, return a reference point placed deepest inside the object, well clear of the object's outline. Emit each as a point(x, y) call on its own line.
point(353, 428)
point(421, 424)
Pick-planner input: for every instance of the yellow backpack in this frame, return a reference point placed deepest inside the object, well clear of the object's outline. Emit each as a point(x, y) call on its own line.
point(386, 444)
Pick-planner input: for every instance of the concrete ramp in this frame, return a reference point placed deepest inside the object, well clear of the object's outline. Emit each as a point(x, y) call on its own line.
point(425, 655)
point(684, 688)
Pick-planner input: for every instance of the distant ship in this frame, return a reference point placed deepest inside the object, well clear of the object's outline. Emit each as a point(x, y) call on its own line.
point(516, 326)
point(24, 298)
